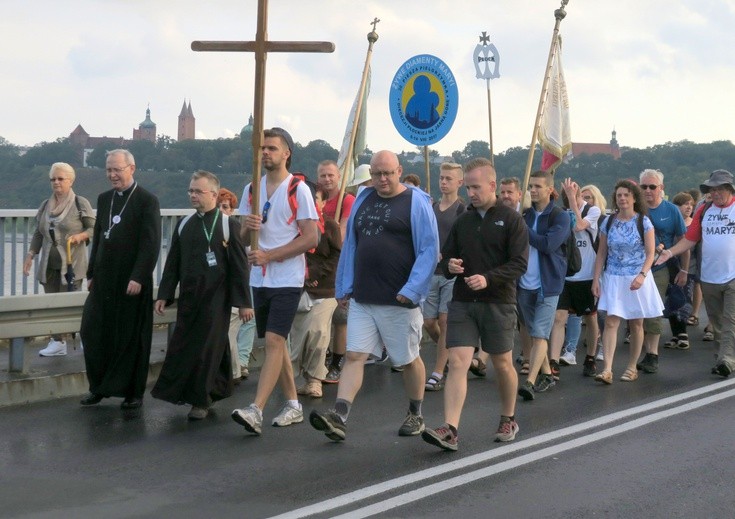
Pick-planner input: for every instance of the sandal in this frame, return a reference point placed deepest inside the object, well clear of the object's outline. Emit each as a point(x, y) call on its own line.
point(605, 377)
point(629, 375)
point(525, 367)
point(434, 384)
point(478, 368)
point(693, 320)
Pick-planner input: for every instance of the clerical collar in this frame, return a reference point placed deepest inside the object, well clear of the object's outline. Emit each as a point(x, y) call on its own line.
point(127, 190)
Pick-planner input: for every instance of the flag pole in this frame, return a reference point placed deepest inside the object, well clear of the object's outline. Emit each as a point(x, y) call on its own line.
point(559, 14)
point(372, 37)
point(427, 168)
point(490, 123)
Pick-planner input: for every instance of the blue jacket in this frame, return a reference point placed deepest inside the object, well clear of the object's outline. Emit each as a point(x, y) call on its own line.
point(548, 239)
point(425, 236)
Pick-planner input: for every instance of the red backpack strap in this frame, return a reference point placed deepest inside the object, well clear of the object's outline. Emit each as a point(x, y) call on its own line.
point(293, 202)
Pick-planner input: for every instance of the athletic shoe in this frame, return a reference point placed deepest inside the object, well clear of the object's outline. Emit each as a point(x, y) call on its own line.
point(554, 366)
point(330, 423)
point(413, 425)
point(590, 367)
point(442, 437)
point(198, 413)
point(288, 415)
point(333, 375)
point(649, 364)
point(397, 369)
point(708, 336)
point(722, 370)
point(627, 339)
point(543, 383)
point(568, 359)
point(507, 431)
point(600, 354)
point(682, 341)
point(526, 391)
point(54, 349)
point(250, 417)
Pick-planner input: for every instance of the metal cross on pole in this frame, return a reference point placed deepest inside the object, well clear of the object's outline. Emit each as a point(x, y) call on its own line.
point(260, 47)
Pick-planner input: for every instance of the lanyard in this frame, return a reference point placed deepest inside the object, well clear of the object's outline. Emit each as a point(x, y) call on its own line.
point(113, 221)
point(211, 231)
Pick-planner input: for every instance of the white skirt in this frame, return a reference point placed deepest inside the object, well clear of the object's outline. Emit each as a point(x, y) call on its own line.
point(616, 297)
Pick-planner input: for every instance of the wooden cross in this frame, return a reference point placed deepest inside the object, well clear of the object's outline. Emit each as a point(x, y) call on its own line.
point(261, 46)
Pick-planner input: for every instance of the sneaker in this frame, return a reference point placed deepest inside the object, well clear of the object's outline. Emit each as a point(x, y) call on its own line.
point(568, 359)
point(649, 364)
point(198, 413)
point(543, 383)
point(312, 388)
point(250, 417)
point(600, 354)
point(507, 431)
point(397, 369)
point(333, 375)
point(244, 372)
point(413, 425)
point(672, 343)
point(442, 437)
point(722, 370)
point(708, 336)
point(683, 341)
point(330, 423)
point(54, 349)
point(554, 365)
point(627, 339)
point(526, 391)
point(590, 367)
point(288, 415)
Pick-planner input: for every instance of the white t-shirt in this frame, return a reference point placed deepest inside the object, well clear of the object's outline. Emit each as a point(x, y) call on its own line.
point(718, 245)
point(584, 244)
point(275, 232)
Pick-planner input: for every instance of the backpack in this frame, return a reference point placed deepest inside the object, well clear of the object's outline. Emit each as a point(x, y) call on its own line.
point(574, 257)
point(293, 202)
point(595, 242)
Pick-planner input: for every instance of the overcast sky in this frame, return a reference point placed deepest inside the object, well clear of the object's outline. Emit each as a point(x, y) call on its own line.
point(655, 70)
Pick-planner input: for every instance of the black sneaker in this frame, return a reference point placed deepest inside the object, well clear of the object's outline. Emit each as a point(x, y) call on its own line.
point(526, 391)
point(330, 423)
point(332, 375)
point(589, 368)
point(544, 382)
point(722, 370)
point(652, 365)
point(554, 365)
point(644, 363)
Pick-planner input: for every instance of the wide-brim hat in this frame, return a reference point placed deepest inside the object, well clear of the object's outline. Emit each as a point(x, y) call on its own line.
point(720, 177)
point(362, 174)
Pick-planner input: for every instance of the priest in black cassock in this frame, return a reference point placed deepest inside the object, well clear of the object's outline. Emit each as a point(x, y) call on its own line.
point(207, 259)
point(117, 322)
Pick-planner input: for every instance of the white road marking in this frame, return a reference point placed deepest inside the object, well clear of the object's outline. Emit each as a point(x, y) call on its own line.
point(371, 491)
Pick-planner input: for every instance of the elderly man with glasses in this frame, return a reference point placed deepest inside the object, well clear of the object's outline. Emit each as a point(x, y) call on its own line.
point(670, 228)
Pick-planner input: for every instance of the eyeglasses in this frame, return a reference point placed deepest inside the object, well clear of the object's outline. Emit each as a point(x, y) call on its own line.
point(719, 189)
point(197, 192)
point(386, 174)
point(118, 170)
point(652, 187)
point(56, 179)
point(266, 207)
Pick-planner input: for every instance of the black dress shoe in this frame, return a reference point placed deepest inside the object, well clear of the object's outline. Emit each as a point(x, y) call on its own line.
point(131, 403)
point(91, 399)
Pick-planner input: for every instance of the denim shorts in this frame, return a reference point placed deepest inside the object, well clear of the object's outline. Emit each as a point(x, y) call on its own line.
point(440, 293)
point(537, 312)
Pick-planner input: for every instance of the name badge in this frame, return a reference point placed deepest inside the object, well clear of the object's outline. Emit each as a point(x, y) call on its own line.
point(211, 260)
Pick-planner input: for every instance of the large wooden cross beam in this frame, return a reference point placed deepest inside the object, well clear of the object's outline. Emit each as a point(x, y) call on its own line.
point(260, 47)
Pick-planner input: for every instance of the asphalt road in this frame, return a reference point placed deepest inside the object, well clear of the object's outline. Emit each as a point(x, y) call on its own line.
point(658, 447)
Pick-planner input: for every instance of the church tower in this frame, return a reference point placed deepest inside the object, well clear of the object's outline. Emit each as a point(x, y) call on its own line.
point(146, 130)
point(186, 123)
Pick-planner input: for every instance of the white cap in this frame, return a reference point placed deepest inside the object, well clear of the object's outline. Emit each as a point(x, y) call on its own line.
point(362, 174)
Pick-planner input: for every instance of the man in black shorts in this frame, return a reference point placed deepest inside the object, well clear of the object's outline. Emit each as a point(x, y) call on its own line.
point(487, 249)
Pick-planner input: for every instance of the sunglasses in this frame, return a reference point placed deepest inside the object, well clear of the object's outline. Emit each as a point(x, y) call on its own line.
point(266, 207)
point(652, 187)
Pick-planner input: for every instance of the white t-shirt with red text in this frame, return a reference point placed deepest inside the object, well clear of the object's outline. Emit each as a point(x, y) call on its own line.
point(717, 232)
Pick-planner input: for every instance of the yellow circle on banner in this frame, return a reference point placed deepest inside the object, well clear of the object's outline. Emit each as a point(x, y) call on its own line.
point(436, 87)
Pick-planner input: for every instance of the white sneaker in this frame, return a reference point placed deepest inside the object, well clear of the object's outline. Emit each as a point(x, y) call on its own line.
point(54, 349)
point(599, 356)
point(288, 416)
point(569, 358)
point(250, 417)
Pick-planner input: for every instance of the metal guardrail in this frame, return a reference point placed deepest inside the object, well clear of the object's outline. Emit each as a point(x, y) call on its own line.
point(16, 231)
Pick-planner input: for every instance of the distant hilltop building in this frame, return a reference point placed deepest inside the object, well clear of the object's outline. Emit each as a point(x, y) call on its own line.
point(591, 148)
point(146, 131)
point(187, 123)
point(247, 130)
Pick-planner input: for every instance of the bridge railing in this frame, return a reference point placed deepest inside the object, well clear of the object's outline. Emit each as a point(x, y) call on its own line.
point(16, 231)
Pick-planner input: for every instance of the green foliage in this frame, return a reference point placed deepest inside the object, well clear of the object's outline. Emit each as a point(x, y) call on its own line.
point(165, 167)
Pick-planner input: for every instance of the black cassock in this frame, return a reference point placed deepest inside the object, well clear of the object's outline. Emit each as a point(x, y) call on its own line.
point(116, 328)
point(197, 369)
